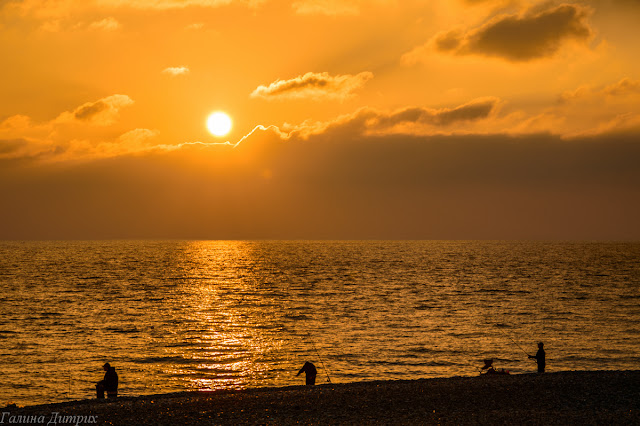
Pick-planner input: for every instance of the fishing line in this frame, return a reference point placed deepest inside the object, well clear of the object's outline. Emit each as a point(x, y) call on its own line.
point(319, 358)
point(514, 342)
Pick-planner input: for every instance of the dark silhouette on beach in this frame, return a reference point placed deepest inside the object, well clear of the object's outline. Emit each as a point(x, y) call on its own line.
point(109, 383)
point(540, 357)
point(488, 365)
point(310, 370)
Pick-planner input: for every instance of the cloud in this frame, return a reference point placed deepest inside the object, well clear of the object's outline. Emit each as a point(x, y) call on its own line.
point(411, 121)
point(625, 88)
point(15, 122)
point(101, 112)
point(326, 7)
point(358, 187)
point(47, 10)
point(11, 148)
point(314, 86)
point(535, 34)
point(176, 4)
point(174, 71)
point(106, 24)
point(73, 135)
point(137, 137)
point(586, 110)
point(195, 26)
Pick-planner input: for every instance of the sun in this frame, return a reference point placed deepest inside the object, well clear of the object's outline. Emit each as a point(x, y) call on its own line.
point(219, 123)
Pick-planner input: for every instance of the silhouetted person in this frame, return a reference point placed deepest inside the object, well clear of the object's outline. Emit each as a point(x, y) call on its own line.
point(109, 383)
point(540, 357)
point(310, 371)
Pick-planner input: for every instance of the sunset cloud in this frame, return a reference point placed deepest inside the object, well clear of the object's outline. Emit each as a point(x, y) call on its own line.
point(412, 120)
point(58, 9)
point(106, 24)
point(326, 7)
point(314, 86)
point(534, 34)
point(137, 137)
point(101, 112)
point(624, 88)
point(176, 4)
point(175, 71)
point(195, 26)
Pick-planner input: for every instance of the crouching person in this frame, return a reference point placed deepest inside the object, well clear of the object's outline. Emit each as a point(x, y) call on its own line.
point(109, 383)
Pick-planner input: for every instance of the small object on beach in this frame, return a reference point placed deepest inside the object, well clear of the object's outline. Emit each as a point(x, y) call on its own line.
point(109, 383)
point(310, 371)
point(488, 365)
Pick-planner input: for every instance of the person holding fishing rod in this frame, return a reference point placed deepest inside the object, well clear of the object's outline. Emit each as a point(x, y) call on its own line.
point(539, 357)
point(310, 370)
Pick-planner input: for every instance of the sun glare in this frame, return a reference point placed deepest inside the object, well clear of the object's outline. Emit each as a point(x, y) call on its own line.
point(219, 123)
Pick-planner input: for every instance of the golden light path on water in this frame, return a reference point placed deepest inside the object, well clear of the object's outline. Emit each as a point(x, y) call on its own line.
point(228, 342)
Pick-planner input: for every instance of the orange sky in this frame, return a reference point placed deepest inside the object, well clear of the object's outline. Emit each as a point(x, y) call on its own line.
point(352, 119)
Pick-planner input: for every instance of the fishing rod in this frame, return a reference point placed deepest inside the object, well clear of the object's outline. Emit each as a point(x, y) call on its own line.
point(319, 358)
point(514, 342)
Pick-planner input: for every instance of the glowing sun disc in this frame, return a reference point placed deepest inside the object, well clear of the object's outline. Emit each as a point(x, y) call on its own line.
point(219, 123)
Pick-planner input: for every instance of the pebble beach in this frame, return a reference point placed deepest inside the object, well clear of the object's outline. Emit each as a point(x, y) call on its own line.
point(575, 397)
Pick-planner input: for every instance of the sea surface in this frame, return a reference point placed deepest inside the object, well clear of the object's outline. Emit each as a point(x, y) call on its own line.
point(188, 315)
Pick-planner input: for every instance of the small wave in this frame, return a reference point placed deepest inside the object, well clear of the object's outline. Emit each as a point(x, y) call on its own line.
point(122, 330)
point(43, 315)
point(296, 317)
point(629, 296)
point(425, 350)
point(424, 307)
point(404, 363)
point(159, 360)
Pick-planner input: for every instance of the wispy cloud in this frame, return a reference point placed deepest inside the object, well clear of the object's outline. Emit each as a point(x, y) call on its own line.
point(624, 88)
point(106, 24)
point(101, 112)
point(176, 4)
point(314, 86)
point(195, 26)
point(326, 7)
point(174, 71)
point(63, 8)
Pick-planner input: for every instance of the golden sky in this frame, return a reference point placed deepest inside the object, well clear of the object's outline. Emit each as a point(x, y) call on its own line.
point(351, 119)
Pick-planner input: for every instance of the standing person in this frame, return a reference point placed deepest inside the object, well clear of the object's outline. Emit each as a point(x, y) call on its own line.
point(109, 383)
point(540, 357)
point(310, 371)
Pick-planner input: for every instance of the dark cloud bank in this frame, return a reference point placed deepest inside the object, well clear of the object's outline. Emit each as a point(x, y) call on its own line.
point(395, 187)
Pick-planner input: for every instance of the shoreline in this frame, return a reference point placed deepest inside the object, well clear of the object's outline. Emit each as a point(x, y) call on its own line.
point(569, 397)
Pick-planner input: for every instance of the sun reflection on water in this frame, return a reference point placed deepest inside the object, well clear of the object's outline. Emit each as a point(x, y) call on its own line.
point(227, 329)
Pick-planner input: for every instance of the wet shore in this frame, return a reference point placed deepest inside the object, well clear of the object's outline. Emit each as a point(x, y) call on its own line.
point(575, 397)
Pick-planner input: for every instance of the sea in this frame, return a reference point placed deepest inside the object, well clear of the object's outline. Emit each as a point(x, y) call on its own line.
point(207, 315)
